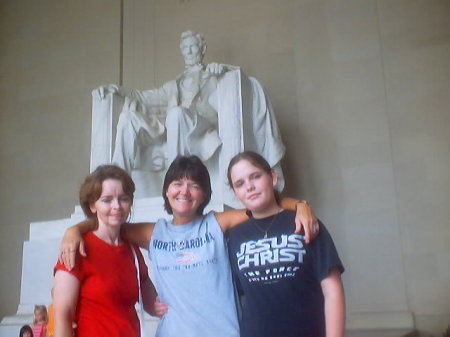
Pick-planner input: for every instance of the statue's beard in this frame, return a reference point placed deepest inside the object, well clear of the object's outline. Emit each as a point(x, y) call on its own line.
point(191, 61)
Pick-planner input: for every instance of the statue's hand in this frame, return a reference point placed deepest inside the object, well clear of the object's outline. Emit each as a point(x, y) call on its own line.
point(103, 90)
point(215, 69)
point(130, 104)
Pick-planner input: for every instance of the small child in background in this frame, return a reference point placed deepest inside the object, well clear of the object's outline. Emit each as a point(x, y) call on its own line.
point(40, 321)
point(26, 331)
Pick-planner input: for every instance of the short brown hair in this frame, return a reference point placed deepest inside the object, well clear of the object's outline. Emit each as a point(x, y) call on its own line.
point(91, 189)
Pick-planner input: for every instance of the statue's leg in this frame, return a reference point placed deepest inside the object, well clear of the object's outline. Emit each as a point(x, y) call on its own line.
point(134, 129)
point(203, 139)
point(125, 148)
point(179, 123)
point(190, 134)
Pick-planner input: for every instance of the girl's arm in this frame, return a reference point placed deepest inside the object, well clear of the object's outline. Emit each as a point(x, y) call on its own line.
point(304, 218)
point(137, 233)
point(65, 297)
point(333, 292)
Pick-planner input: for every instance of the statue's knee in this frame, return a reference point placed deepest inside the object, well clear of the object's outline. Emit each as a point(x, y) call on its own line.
point(127, 117)
point(176, 113)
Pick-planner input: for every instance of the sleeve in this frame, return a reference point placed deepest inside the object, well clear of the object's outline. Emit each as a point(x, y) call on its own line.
point(211, 217)
point(325, 255)
point(76, 271)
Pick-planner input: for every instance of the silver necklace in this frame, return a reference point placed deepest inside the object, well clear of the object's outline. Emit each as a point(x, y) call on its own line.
point(264, 230)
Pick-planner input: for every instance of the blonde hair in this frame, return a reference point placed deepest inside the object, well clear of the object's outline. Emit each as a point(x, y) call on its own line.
point(41, 308)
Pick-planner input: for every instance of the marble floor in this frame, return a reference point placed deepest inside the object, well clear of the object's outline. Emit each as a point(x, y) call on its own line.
point(381, 333)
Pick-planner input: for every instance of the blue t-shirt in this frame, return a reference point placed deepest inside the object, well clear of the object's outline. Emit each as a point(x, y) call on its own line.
point(279, 277)
point(192, 275)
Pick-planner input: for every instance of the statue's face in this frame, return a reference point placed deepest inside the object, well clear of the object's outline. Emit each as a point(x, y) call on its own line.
point(191, 50)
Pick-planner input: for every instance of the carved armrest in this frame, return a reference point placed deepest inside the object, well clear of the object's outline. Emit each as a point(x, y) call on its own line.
point(105, 114)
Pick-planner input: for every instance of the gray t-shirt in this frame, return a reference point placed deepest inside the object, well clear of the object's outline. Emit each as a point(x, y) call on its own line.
point(193, 276)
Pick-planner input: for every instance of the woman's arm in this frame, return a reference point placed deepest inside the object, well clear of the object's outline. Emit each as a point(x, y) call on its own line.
point(73, 241)
point(305, 217)
point(65, 297)
point(137, 233)
point(230, 219)
point(152, 305)
point(333, 292)
point(149, 297)
point(161, 308)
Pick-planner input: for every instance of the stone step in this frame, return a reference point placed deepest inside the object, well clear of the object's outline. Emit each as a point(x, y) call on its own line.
point(381, 333)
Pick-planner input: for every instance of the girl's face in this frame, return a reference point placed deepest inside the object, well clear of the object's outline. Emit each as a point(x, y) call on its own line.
point(185, 197)
point(26, 334)
point(113, 206)
point(253, 186)
point(39, 316)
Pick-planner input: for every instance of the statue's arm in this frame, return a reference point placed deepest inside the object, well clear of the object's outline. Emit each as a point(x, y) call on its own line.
point(102, 91)
point(133, 94)
point(151, 98)
point(217, 69)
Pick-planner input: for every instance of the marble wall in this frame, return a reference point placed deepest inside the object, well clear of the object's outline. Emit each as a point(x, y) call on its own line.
point(360, 89)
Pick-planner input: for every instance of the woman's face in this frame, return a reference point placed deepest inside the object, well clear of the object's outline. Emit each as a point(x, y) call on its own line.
point(26, 334)
point(185, 197)
point(253, 186)
point(113, 206)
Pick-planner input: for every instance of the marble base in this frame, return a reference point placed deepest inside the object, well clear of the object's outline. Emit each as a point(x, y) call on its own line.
point(380, 320)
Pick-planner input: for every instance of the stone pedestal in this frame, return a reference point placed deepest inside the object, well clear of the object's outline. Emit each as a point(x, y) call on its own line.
point(40, 254)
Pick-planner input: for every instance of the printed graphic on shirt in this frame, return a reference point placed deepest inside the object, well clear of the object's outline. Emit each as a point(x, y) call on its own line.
point(185, 252)
point(186, 258)
point(173, 246)
point(262, 260)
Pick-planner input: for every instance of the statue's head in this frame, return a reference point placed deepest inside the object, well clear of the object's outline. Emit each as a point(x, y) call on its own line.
point(192, 47)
